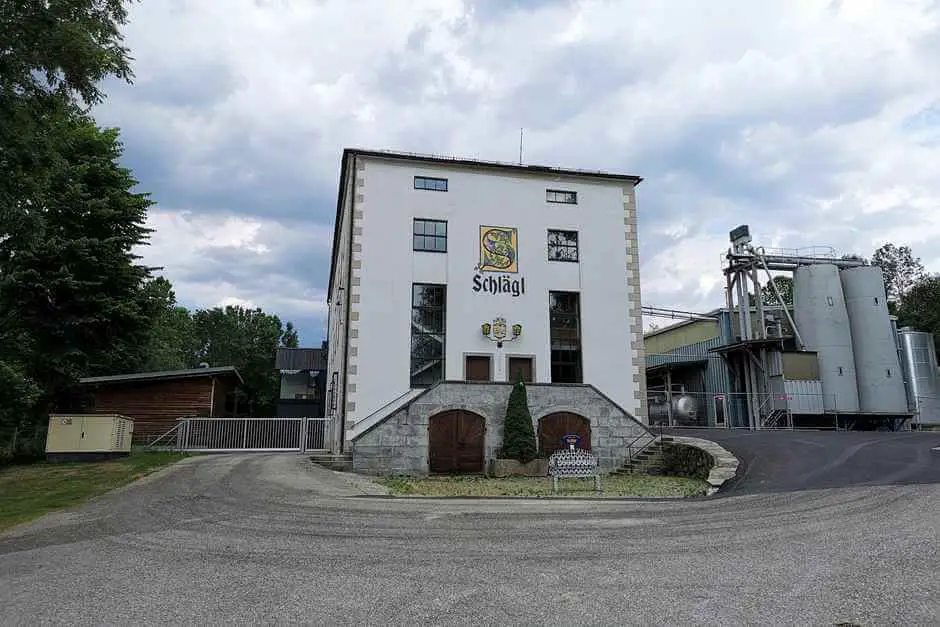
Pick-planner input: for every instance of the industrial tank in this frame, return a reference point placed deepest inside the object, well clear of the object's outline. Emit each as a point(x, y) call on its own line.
point(920, 372)
point(684, 410)
point(877, 366)
point(823, 322)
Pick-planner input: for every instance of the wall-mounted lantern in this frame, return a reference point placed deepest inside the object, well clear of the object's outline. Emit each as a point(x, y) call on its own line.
point(497, 331)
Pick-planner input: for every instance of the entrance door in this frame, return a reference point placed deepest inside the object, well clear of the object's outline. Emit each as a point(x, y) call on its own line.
point(520, 364)
point(554, 427)
point(455, 440)
point(477, 368)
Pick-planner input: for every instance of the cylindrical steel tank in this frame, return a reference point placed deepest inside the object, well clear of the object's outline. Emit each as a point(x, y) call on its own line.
point(920, 373)
point(823, 322)
point(684, 410)
point(878, 371)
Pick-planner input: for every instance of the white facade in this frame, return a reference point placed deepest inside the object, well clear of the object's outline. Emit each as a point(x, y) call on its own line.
point(375, 267)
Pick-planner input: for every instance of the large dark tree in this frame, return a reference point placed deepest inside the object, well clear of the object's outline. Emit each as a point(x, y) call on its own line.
point(66, 212)
point(67, 270)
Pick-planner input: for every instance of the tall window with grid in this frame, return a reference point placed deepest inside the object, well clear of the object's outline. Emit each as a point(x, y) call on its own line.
point(428, 333)
point(564, 315)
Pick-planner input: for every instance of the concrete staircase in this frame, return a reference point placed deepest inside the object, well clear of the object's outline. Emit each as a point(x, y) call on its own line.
point(649, 461)
point(334, 461)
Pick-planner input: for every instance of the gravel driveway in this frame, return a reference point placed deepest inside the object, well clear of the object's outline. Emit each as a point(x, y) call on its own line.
point(265, 539)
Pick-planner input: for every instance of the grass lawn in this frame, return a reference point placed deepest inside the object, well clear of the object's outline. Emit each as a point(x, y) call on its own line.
point(29, 491)
point(613, 485)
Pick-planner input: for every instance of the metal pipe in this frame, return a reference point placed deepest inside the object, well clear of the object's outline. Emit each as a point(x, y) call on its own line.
point(786, 311)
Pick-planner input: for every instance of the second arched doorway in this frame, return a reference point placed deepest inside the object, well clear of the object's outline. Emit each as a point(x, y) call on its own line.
point(554, 427)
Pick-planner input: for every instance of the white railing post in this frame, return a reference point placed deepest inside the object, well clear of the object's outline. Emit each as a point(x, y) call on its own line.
point(303, 434)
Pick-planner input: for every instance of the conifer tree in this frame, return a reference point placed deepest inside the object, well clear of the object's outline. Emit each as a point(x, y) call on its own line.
point(518, 433)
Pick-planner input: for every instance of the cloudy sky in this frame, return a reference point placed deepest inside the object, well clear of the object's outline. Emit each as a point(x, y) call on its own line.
point(815, 121)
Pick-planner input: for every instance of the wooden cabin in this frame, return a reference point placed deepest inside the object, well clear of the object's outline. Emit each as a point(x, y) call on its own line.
point(156, 400)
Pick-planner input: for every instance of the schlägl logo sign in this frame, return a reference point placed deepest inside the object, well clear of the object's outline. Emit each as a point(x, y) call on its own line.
point(498, 270)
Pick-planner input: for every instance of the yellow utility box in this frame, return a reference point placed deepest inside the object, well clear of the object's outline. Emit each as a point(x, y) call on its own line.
point(88, 436)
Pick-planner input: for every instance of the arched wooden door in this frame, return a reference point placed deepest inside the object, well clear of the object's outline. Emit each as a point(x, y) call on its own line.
point(554, 427)
point(455, 440)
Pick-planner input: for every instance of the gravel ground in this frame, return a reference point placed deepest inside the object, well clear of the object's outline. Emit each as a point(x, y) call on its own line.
point(272, 539)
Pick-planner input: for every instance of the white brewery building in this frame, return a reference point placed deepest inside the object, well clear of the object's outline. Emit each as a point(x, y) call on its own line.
point(449, 277)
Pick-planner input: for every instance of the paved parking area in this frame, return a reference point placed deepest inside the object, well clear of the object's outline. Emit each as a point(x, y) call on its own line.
point(775, 461)
point(270, 539)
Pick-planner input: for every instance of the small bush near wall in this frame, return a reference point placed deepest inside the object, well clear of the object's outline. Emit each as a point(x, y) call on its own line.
point(683, 460)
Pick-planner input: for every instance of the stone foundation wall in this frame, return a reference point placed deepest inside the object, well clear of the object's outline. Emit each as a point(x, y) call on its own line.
point(399, 445)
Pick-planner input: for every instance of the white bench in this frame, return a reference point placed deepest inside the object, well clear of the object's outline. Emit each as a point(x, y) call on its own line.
point(573, 463)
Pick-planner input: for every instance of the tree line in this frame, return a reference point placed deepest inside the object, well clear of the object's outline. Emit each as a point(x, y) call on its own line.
point(75, 301)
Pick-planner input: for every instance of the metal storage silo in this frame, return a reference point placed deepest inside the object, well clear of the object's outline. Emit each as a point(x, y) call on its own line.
point(877, 367)
point(920, 373)
point(823, 323)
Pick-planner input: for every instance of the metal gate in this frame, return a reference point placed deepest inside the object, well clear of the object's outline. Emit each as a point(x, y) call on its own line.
point(216, 435)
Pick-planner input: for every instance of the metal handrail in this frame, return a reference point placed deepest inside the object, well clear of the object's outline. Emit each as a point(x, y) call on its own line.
point(631, 454)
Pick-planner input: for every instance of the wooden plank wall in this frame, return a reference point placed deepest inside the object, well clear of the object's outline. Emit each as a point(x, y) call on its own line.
point(155, 406)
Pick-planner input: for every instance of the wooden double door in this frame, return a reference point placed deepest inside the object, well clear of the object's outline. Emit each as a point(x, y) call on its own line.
point(456, 441)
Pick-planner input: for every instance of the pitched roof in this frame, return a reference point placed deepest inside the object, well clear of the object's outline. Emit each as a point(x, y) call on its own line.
point(300, 359)
point(458, 162)
point(163, 375)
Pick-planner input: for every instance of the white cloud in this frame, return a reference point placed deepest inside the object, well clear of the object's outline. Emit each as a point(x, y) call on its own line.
point(195, 250)
point(815, 122)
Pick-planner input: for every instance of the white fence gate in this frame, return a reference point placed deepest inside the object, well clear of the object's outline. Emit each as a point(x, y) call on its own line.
point(217, 435)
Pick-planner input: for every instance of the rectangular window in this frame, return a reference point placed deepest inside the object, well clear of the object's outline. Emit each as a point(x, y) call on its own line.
point(430, 236)
point(564, 323)
point(428, 330)
point(431, 184)
point(562, 196)
point(477, 368)
point(562, 245)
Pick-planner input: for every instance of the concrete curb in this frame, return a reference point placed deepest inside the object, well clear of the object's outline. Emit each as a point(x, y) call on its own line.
point(726, 464)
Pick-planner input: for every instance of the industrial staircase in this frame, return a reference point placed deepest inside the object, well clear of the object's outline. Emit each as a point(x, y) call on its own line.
point(646, 461)
point(341, 462)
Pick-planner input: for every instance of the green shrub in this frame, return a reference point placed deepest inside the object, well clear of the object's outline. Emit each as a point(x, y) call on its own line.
point(682, 460)
point(518, 434)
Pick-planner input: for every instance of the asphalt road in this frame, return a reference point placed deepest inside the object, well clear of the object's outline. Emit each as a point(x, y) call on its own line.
point(785, 461)
point(271, 539)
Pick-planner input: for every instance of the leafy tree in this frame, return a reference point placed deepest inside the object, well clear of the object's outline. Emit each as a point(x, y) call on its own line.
point(784, 284)
point(518, 434)
point(171, 344)
point(900, 267)
point(247, 339)
point(290, 338)
point(921, 306)
point(62, 48)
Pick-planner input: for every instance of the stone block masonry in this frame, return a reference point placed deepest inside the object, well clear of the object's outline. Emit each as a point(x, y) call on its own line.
point(399, 444)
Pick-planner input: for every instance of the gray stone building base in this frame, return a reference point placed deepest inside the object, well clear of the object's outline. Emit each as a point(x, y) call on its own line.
point(399, 444)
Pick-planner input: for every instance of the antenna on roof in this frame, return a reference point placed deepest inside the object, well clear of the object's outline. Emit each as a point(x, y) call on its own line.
point(520, 146)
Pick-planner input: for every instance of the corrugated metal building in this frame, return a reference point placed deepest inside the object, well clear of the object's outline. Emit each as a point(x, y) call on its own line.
point(680, 364)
